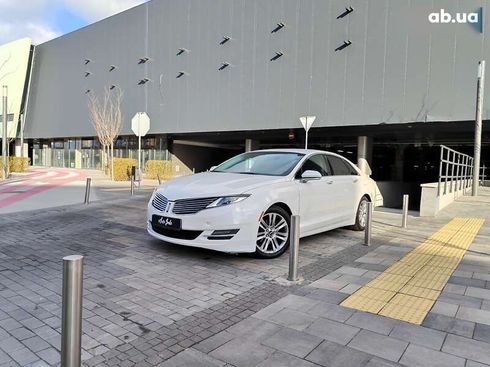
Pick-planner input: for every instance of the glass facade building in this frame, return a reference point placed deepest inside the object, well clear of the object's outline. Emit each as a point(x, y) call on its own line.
point(86, 153)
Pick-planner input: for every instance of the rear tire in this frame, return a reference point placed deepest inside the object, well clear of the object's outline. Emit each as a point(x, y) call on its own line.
point(274, 233)
point(361, 215)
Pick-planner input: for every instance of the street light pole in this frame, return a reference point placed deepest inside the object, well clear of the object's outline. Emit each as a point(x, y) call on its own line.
point(4, 135)
point(478, 127)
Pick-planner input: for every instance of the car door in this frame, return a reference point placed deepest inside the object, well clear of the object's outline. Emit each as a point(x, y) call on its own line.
point(315, 196)
point(345, 186)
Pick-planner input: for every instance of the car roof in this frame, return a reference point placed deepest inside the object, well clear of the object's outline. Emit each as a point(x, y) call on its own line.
point(295, 150)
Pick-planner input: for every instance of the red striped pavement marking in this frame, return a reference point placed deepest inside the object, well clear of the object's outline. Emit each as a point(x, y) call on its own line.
point(22, 178)
point(40, 188)
point(17, 184)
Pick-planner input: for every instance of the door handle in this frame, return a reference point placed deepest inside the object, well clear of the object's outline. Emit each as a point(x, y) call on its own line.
point(329, 182)
point(355, 180)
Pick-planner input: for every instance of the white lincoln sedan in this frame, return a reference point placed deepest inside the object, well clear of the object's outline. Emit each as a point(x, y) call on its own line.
point(245, 204)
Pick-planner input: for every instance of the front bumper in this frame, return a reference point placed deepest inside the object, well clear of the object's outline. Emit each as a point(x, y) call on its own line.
point(204, 223)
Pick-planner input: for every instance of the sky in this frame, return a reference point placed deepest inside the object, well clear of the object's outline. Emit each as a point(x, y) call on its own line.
point(43, 20)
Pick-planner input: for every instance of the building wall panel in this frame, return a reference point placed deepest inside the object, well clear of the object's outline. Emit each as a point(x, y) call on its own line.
point(399, 67)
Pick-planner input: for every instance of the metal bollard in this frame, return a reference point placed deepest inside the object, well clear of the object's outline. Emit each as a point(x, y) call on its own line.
point(405, 211)
point(369, 222)
point(294, 249)
point(132, 185)
point(71, 324)
point(159, 180)
point(87, 190)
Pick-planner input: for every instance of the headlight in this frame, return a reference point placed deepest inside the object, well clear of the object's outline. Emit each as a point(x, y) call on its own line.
point(227, 200)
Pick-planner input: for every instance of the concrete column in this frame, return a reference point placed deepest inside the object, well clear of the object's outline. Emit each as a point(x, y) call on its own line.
point(18, 148)
point(364, 153)
point(251, 144)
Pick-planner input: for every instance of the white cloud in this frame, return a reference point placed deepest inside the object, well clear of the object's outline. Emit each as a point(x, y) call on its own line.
point(34, 18)
point(25, 19)
point(40, 32)
point(93, 10)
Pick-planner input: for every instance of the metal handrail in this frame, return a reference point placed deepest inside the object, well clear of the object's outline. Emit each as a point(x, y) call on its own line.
point(458, 171)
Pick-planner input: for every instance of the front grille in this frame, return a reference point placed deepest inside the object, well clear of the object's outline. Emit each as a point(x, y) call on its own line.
point(191, 206)
point(159, 202)
point(179, 234)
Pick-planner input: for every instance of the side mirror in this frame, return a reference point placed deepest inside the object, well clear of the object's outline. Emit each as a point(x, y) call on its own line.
point(212, 168)
point(310, 175)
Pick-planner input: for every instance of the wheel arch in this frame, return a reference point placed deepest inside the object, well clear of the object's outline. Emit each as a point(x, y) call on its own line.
point(283, 206)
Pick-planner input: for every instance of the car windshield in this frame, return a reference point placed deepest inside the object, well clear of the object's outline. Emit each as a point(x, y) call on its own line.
point(261, 163)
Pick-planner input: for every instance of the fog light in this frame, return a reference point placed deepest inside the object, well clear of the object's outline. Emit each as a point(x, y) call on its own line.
point(225, 232)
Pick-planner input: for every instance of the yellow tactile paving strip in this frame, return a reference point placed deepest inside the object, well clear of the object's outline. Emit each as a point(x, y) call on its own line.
point(408, 289)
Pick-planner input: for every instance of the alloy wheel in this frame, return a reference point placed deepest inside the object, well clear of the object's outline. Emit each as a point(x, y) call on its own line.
point(362, 214)
point(273, 233)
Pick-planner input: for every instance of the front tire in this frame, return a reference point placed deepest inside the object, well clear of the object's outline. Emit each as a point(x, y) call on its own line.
point(361, 215)
point(274, 233)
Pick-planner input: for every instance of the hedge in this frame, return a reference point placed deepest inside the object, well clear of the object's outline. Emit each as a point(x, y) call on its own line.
point(16, 164)
point(122, 168)
point(155, 169)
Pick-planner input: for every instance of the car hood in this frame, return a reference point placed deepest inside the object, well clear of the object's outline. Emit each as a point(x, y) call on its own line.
point(210, 184)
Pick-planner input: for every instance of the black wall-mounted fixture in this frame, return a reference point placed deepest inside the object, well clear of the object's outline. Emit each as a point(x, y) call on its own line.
point(181, 51)
point(223, 66)
point(86, 61)
point(143, 81)
point(112, 67)
point(87, 91)
point(180, 74)
point(87, 73)
point(143, 60)
point(224, 40)
point(277, 55)
point(347, 11)
point(279, 26)
point(112, 87)
point(344, 45)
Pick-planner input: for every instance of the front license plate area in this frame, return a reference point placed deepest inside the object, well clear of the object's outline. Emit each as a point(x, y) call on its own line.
point(167, 222)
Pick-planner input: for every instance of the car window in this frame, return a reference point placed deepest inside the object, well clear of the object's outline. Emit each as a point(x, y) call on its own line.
point(341, 167)
point(316, 163)
point(261, 163)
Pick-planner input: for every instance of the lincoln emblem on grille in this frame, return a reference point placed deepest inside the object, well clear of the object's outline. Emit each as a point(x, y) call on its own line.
point(165, 221)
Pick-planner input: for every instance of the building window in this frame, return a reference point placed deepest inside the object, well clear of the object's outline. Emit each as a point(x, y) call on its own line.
point(87, 144)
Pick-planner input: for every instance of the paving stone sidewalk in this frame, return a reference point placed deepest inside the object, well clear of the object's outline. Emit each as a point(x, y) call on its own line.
point(307, 327)
point(151, 304)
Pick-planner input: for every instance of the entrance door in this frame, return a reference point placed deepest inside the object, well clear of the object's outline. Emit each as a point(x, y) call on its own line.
point(87, 158)
point(58, 159)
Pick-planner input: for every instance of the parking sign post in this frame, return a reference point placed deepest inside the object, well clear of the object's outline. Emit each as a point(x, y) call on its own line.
point(307, 121)
point(294, 249)
point(140, 124)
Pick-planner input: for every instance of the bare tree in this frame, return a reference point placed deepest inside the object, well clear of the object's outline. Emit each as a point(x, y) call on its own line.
point(106, 118)
point(97, 118)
